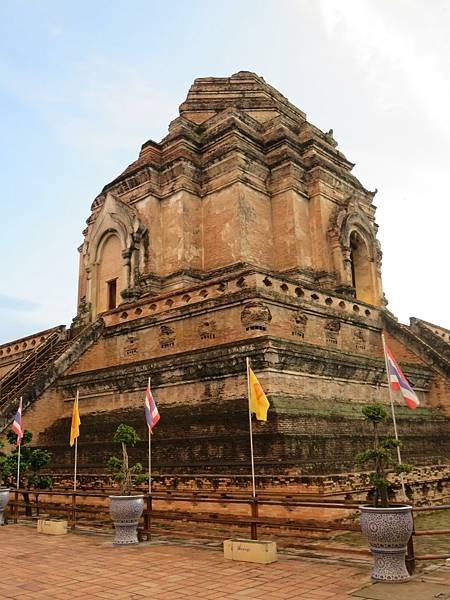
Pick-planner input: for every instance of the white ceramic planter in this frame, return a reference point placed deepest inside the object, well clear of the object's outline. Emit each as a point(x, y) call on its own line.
point(4, 499)
point(125, 512)
point(388, 531)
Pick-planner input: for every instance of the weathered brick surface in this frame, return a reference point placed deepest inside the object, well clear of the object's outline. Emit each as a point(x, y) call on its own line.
point(235, 236)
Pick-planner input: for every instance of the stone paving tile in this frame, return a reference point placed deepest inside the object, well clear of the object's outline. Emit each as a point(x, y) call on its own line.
point(75, 566)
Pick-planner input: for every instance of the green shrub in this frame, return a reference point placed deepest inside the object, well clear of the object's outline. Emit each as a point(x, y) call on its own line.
point(32, 461)
point(381, 455)
point(121, 471)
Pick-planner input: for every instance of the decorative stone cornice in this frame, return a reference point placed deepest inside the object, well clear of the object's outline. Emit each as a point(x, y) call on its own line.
point(229, 359)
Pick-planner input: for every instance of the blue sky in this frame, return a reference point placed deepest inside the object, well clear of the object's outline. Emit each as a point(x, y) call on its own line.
point(84, 84)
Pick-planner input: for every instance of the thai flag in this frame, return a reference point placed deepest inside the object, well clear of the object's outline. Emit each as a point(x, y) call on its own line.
point(151, 410)
point(399, 382)
point(17, 424)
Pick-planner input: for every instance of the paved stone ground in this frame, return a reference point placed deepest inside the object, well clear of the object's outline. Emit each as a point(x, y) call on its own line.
point(35, 566)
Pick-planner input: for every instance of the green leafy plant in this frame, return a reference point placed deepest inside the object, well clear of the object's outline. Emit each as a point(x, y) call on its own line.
point(381, 455)
point(122, 472)
point(4, 470)
point(32, 461)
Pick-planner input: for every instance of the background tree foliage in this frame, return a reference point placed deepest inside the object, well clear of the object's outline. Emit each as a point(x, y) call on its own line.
point(32, 461)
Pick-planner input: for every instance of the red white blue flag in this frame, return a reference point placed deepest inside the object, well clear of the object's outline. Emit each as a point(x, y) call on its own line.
point(17, 424)
point(151, 410)
point(399, 382)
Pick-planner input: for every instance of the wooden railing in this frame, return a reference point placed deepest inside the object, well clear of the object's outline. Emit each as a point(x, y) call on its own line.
point(73, 505)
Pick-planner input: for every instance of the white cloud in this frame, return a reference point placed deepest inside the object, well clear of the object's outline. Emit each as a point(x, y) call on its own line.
point(403, 53)
point(375, 71)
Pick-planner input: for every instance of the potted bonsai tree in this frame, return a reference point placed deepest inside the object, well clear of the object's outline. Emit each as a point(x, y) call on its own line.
point(4, 491)
point(387, 528)
point(126, 509)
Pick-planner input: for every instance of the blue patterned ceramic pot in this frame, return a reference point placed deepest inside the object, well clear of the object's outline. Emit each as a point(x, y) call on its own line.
point(388, 531)
point(125, 512)
point(4, 498)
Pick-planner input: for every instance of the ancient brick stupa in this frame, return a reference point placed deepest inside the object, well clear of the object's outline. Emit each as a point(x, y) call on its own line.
point(242, 233)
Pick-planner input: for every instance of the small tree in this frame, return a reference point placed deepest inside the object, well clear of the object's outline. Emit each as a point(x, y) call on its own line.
point(4, 468)
point(32, 460)
point(121, 470)
point(381, 455)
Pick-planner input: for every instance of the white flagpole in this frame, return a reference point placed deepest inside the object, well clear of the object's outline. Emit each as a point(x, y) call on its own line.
point(75, 470)
point(399, 456)
point(18, 467)
point(76, 451)
point(20, 445)
point(149, 449)
point(251, 431)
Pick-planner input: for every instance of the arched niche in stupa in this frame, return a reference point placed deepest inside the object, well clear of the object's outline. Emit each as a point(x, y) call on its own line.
point(356, 253)
point(111, 254)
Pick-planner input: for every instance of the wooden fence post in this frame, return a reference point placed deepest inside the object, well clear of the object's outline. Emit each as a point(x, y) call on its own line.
point(16, 507)
point(254, 526)
point(409, 558)
point(148, 517)
point(74, 510)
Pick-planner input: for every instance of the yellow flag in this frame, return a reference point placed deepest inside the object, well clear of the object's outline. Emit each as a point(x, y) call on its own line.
point(75, 425)
point(258, 400)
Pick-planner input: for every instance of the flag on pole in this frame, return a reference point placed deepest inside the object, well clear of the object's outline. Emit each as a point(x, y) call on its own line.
point(17, 424)
point(258, 399)
point(399, 382)
point(151, 410)
point(75, 425)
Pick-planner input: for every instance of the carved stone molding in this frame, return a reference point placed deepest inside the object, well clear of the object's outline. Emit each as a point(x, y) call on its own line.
point(83, 314)
point(131, 347)
point(256, 316)
point(299, 322)
point(207, 329)
point(359, 339)
point(332, 328)
point(131, 293)
point(166, 336)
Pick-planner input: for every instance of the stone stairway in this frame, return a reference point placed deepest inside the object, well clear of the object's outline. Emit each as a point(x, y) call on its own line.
point(32, 376)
